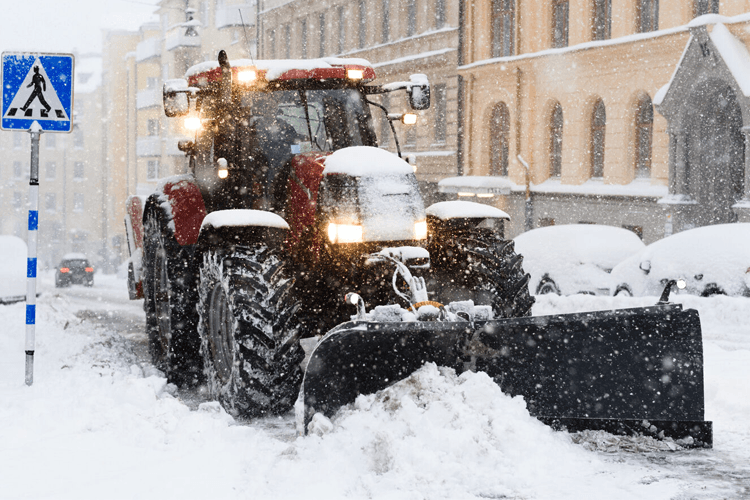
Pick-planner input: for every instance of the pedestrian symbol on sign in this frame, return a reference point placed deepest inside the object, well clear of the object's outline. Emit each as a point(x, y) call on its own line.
point(40, 85)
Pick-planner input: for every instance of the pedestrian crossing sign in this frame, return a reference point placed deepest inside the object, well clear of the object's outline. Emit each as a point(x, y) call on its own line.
point(37, 88)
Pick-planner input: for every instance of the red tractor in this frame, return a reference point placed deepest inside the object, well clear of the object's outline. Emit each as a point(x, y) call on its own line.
point(288, 207)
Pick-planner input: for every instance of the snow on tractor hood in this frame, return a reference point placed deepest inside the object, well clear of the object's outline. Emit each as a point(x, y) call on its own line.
point(384, 189)
point(368, 161)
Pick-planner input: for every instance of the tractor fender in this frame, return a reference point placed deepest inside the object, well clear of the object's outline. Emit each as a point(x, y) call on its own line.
point(450, 217)
point(242, 226)
point(182, 202)
point(134, 235)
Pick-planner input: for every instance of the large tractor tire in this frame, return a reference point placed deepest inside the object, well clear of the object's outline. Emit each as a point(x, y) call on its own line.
point(249, 331)
point(170, 297)
point(480, 265)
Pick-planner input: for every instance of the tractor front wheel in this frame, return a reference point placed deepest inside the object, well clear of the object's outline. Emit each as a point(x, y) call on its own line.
point(249, 331)
point(480, 265)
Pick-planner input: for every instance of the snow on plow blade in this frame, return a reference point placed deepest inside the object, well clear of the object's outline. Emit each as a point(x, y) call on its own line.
point(632, 371)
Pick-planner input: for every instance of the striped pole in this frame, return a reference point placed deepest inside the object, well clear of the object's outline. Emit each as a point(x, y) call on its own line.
point(35, 132)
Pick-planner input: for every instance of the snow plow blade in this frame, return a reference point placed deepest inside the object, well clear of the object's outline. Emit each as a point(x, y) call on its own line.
point(632, 371)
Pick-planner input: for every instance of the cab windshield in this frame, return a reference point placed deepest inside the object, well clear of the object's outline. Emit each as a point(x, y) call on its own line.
point(309, 120)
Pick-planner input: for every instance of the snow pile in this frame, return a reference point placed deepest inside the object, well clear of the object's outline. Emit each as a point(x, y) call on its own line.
point(439, 435)
point(13, 255)
point(456, 209)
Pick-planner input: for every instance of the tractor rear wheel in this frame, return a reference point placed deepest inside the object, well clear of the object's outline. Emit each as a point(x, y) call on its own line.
point(249, 331)
point(169, 303)
point(480, 265)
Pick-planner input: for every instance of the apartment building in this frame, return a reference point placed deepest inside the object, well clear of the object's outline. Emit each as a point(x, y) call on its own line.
point(629, 113)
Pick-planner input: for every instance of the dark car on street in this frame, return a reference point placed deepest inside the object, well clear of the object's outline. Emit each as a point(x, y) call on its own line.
point(74, 269)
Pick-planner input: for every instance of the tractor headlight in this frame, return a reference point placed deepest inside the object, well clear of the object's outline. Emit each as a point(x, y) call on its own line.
point(247, 76)
point(355, 74)
point(420, 230)
point(192, 123)
point(344, 233)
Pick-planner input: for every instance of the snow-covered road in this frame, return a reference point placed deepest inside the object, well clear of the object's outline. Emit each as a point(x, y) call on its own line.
point(100, 422)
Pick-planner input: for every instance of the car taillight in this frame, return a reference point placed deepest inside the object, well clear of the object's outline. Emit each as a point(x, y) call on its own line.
point(64, 270)
point(89, 269)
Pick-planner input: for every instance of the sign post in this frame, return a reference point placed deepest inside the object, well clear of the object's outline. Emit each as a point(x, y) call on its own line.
point(37, 97)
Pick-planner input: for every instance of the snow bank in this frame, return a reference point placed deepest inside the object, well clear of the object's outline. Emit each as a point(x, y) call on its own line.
point(360, 161)
point(13, 255)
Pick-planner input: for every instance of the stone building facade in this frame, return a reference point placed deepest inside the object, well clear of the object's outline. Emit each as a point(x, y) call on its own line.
point(578, 91)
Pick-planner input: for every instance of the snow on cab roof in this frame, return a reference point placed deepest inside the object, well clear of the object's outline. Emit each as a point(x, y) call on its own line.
point(284, 69)
point(361, 161)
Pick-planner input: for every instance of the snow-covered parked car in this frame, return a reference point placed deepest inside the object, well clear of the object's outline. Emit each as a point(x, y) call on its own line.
point(711, 259)
point(574, 258)
point(13, 255)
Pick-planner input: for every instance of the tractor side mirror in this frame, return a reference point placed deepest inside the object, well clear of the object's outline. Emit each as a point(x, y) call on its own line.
point(175, 96)
point(419, 92)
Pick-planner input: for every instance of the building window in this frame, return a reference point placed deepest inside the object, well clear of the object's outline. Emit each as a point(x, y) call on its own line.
point(441, 112)
point(701, 7)
point(78, 202)
point(499, 143)
point(556, 141)
point(503, 16)
point(560, 23)
point(153, 127)
point(50, 141)
point(385, 126)
point(17, 172)
point(50, 202)
point(362, 23)
point(322, 25)
point(386, 31)
point(272, 44)
point(287, 41)
point(648, 13)
point(598, 129)
point(51, 171)
point(411, 17)
point(17, 200)
point(78, 170)
point(77, 138)
point(342, 31)
point(303, 37)
point(17, 140)
point(152, 173)
point(602, 20)
point(644, 124)
point(439, 13)
point(411, 135)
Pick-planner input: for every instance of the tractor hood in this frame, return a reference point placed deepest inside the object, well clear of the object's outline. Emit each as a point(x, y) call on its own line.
point(375, 190)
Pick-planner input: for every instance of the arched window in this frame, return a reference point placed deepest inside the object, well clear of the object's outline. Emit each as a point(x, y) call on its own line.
point(598, 128)
point(560, 10)
point(648, 14)
point(503, 21)
point(499, 139)
point(644, 124)
point(602, 24)
point(556, 141)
